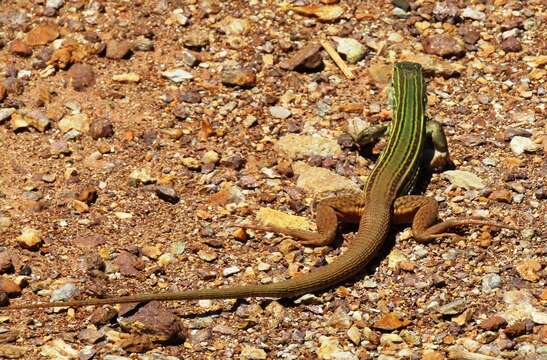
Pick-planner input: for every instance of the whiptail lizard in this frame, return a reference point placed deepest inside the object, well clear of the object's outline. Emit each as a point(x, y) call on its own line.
point(383, 202)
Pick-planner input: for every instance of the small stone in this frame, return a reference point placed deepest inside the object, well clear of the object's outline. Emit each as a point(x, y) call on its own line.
point(177, 75)
point(190, 163)
point(81, 76)
point(519, 328)
point(351, 48)
point(102, 315)
point(493, 323)
point(30, 239)
point(167, 193)
point(210, 157)
point(501, 195)
point(326, 13)
point(65, 292)
point(42, 34)
point(90, 336)
point(529, 269)
point(443, 45)
point(118, 49)
point(101, 128)
point(253, 353)
point(309, 57)
point(245, 77)
point(354, 334)
point(472, 13)
point(154, 320)
point(9, 287)
point(446, 11)
point(520, 145)
point(230, 271)
point(490, 282)
point(511, 44)
point(78, 122)
point(280, 112)
point(189, 58)
point(6, 265)
point(340, 319)
point(166, 259)
point(127, 264)
point(55, 4)
point(390, 321)
point(469, 34)
point(453, 308)
point(207, 255)
point(195, 38)
point(127, 77)
point(178, 15)
point(486, 337)
point(235, 26)
point(151, 251)
point(464, 179)
point(387, 339)
point(20, 48)
point(143, 176)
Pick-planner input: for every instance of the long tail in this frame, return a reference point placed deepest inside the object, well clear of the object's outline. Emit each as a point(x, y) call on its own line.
point(343, 268)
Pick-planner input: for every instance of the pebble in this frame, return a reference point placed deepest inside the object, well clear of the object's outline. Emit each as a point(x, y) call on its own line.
point(117, 50)
point(390, 321)
point(330, 349)
point(308, 57)
point(443, 45)
point(90, 335)
point(453, 308)
point(130, 77)
point(340, 319)
point(210, 157)
point(240, 76)
point(167, 193)
point(529, 269)
point(354, 334)
point(230, 271)
point(464, 179)
point(178, 15)
point(511, 44)
point(445, 11)
point(520, 145)
point(302, 146)
point(195, 38)
point(55, 4)
point(207, 255)
point(490, 282)
point(101, 128)
point(501, 195)
point(253, 353)
point(9, 287)
point(20, 48)
point(351, 48)
point(42, 34)
point(177, 75)
point(82, 76)
point(386, 339)
point(493, 323)
point(30, 239)
point(65, 292)
point(6, 113)
point(78, 122)
point(280, 112)
point(472, 13)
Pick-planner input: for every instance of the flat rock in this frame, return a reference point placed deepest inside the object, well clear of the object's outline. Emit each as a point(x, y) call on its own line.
point(301, 146)
point(319, 180)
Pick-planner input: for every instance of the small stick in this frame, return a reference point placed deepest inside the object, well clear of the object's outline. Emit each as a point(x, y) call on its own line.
point(337, 59)
point(466, 355)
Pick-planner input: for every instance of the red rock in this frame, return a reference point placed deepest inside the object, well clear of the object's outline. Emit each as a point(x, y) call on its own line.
point(6, 265)
point(101, 128)
point(390, 322)
point(81, 76)
point(103, 315)
point(519, 328)
point(89, 241)
point(42, 34)
point(511, 44)
point(443, 45)
point(3, 92)
point(153, 319)
point(128, 264)
point(493, 323)
point(308, 57)
point(501, 195)
point(117, 49)
point(9, 287)
point(18, 47)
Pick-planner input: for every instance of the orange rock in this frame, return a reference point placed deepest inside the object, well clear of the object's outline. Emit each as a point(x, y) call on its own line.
point(42, 34)
point(391, 321)
point(18, 47)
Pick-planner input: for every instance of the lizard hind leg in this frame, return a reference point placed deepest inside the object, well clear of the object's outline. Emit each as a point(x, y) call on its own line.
point(422, 212)
point(328, 212)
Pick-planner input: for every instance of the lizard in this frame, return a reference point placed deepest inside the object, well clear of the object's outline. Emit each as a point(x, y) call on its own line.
point(384, 201)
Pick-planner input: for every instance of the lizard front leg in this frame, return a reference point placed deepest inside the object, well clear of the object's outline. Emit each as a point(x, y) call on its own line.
point(328, 212)
point(422, 213)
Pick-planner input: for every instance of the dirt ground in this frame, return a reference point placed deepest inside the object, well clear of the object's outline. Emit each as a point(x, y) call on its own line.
point(136, 135)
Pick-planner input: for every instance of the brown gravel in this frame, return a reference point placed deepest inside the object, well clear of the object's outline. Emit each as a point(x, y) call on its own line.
point(134, 134)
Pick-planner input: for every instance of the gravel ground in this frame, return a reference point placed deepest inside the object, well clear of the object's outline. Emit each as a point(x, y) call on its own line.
point(135, 134)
